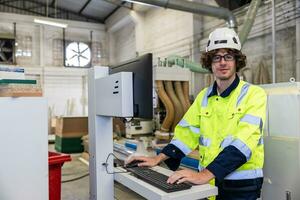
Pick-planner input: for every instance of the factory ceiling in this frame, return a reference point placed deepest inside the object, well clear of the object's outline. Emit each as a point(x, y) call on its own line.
point(82, 10)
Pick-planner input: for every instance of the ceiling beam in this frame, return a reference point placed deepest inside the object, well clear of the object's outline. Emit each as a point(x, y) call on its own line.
point(34, 7)
point(7, 1)
point(67, 12)
point(21, 8)
point(84, 6)
point(119, 3)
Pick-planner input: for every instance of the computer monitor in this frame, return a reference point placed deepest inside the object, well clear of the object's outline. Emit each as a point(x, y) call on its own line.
point(142, 84)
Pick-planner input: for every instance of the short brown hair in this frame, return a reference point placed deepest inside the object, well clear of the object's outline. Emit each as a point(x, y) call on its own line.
point(240, 59)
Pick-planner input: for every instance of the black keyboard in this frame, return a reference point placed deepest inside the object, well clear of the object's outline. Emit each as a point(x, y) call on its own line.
point(157, 179)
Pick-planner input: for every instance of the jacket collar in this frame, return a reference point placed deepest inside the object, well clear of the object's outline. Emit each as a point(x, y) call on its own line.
point(228, 90)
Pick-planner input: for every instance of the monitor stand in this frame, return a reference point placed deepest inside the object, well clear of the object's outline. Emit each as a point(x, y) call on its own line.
point(100, 145)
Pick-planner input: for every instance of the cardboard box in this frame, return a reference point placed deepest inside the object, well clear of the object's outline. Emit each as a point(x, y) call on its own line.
point(70, 127)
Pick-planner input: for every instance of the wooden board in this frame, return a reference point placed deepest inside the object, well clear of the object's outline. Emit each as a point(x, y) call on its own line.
point(24, 93)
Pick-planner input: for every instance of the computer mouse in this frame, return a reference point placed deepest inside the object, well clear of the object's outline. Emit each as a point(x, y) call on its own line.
point(133, 164)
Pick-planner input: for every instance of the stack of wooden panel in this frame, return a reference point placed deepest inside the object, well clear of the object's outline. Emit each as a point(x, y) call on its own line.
point(19, 88)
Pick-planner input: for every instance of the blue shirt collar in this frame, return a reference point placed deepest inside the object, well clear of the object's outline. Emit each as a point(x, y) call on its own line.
point(228, 90)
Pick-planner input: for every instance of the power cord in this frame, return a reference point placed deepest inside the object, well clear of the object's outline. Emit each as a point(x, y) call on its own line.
point(75, 179)
point(106, 168)
point(106, 164)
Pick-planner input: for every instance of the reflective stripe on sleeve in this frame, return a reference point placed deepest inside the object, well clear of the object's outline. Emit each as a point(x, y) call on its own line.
point(180, 145)
point(245, 174)
point(251, 119)
point(195, 129)
point(227, 141)
point(242, 147)
point(185, 124)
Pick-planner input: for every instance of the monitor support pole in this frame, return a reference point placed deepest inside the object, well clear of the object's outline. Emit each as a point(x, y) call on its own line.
point(100, 145)
point(109, 96)
point(101, 164)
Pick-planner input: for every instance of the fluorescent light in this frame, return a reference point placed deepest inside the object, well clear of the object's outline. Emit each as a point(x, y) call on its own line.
point(51, 23)
point(137, 2)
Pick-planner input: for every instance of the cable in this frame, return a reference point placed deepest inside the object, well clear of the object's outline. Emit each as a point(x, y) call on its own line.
point(75, 179)
point(106, 164)
point(72, 174)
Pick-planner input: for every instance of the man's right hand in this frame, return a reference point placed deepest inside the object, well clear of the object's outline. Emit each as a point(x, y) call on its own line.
point(147, 161)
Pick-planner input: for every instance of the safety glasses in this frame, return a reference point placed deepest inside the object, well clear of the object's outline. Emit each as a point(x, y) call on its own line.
point(227, 57)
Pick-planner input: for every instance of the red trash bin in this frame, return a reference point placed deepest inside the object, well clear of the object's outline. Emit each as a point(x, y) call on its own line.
point(56, 161)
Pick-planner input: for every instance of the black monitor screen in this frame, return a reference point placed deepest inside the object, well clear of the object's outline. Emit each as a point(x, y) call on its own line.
point(142, 84)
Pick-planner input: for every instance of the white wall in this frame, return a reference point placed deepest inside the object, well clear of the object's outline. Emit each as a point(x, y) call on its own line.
point(124, 40)
point(167, 32)
point(65, 88)
point(159, 31)
point(121, 36)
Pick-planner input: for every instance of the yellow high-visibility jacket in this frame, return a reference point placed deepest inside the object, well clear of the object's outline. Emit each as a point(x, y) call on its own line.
point(213, 123)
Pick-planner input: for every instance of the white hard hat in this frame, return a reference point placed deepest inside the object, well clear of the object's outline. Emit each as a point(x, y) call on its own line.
point(223, 38)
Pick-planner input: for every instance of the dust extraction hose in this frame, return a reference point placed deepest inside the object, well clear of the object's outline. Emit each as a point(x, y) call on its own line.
point(167, 122)
point(180, 95)
point(185, 87)
point(176, 103)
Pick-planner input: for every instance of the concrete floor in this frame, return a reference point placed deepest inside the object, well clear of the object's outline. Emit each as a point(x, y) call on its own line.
point(79, 189)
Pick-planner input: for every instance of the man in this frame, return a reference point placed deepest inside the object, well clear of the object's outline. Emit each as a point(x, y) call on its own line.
point(225, 123)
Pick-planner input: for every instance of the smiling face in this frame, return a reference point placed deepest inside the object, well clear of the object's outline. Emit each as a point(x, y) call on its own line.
point(223, 66)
